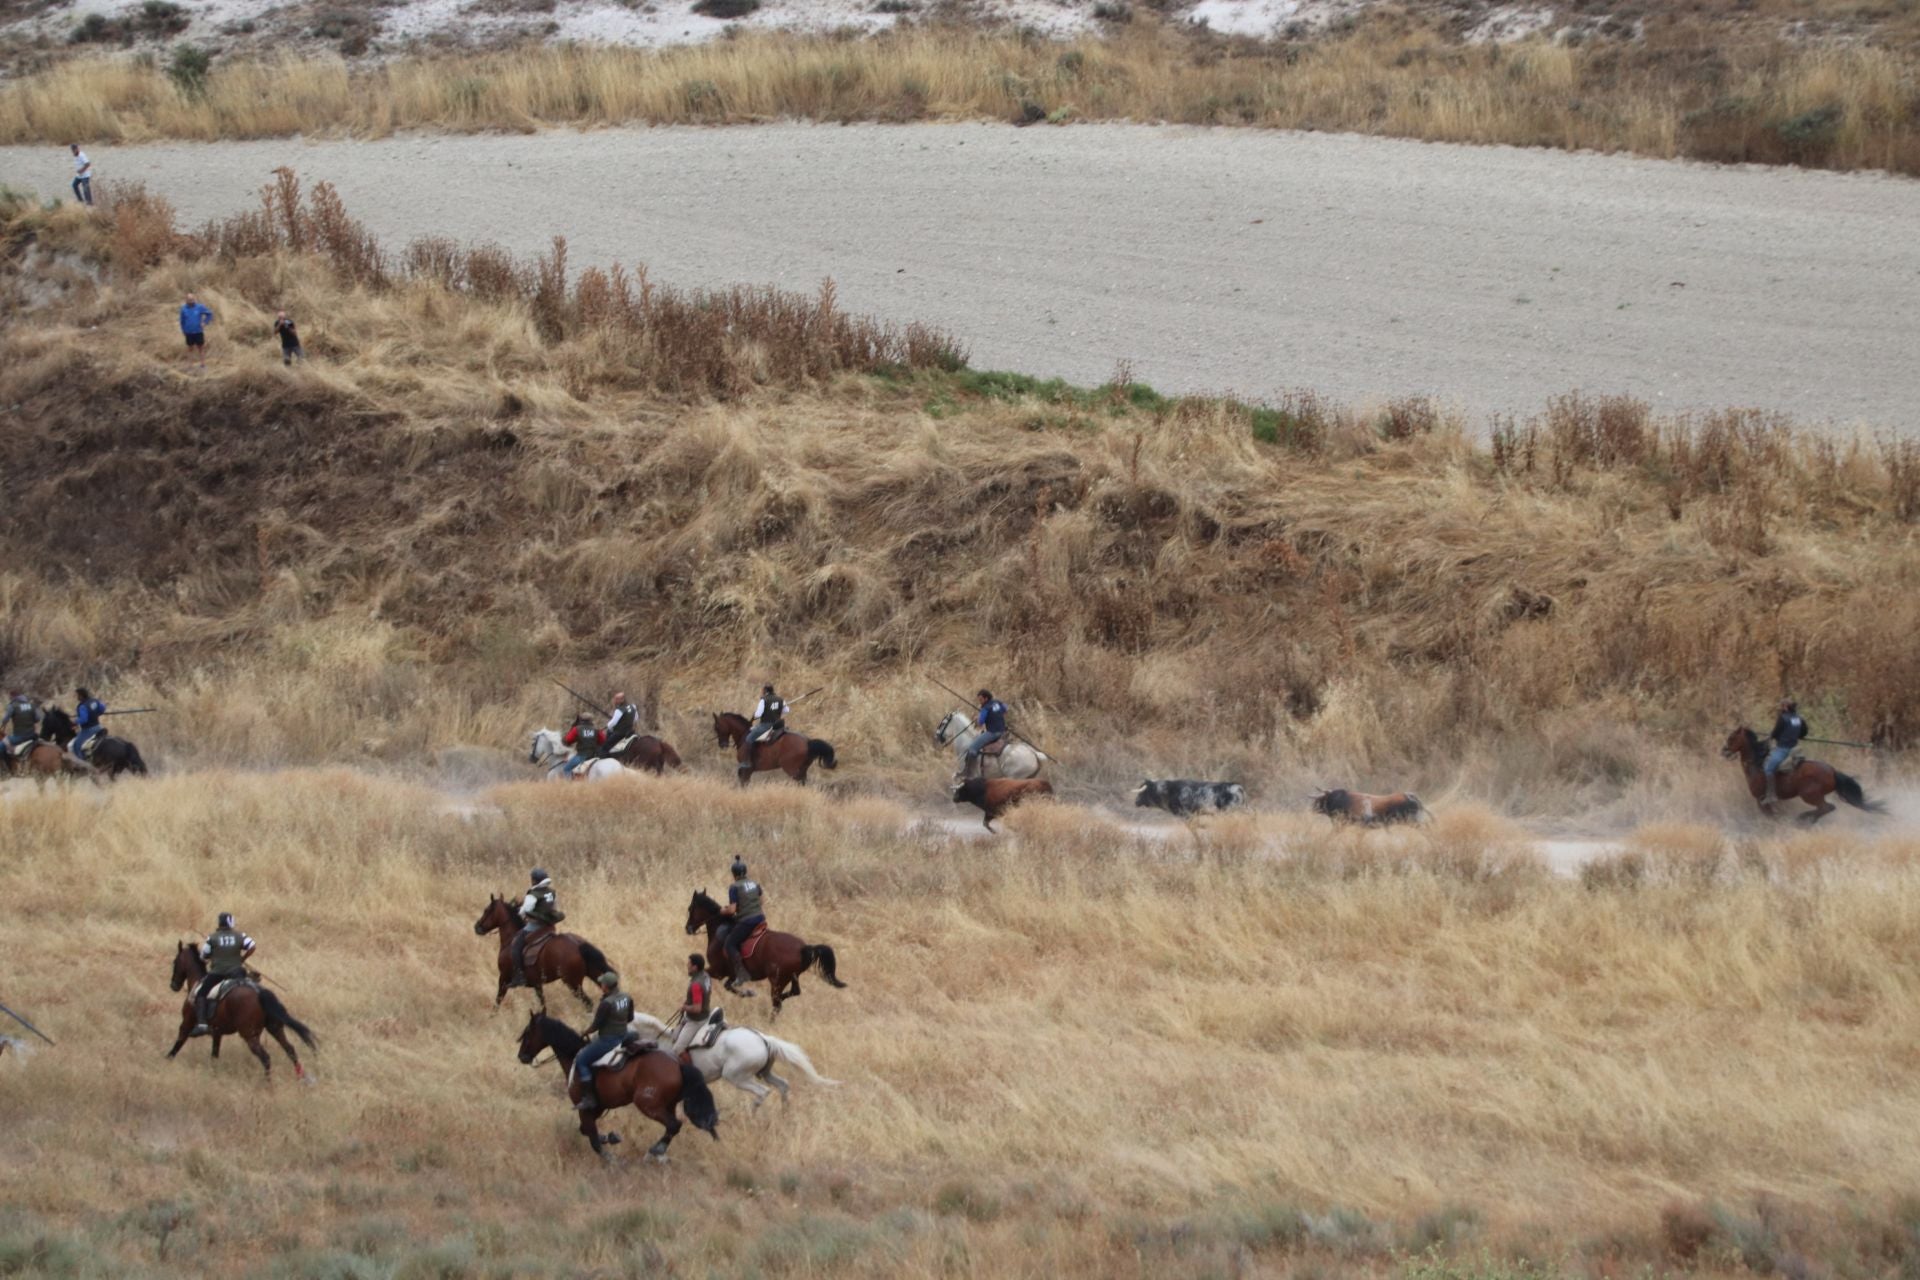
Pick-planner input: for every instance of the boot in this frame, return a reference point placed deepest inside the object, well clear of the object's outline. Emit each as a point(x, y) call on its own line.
point(589, 1096)
point(199, 1029)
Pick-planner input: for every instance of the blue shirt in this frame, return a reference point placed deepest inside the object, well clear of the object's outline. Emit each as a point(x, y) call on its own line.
point(194, 317)
point(993, 717)
point(88, 713)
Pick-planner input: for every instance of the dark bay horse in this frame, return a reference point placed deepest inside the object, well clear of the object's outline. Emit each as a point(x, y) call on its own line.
point(648, 752)
point(780, 958)
point(653, 1081)
point(565, 957)
point(111, 756)
point(1810, 781)
point(245, 1011)
point(47, 759)
point(791, 752)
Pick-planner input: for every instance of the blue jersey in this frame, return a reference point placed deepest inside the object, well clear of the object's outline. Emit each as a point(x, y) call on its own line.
point(194, 317)
point(993, 717)
point(88, 713)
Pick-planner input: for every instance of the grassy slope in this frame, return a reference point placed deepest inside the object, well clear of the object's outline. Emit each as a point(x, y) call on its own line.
point(1072, 1051)
point(1688, 86)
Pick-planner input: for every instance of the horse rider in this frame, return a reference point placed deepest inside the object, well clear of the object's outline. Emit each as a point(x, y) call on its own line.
point(226, 952)
point(1788, 730)
point(23, 719)
point(991, 720)
point(540, 909)
point(86, 722)
point(587, 742)
point(604, 1034)
point(769, 718)
point(623, 723)
point(697, 1009)
point(744, 906)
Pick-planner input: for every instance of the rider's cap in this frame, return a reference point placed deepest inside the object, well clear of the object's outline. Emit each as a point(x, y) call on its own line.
point(226, 920)
point(538, 875)
point(609, 979)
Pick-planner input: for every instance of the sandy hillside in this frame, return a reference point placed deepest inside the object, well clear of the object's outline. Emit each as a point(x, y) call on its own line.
point(1212, 261)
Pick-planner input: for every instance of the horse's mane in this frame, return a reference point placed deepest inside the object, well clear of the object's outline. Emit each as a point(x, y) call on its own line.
point(731, 715)
point(1750, 745)
point(700, 899)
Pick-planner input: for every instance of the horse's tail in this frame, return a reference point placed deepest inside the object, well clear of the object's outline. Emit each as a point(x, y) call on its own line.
point(824, 955)
point(277, 1016)
point(798, 1057)
point(822, 750)
point(697, 1101)
point(1848, 789)
point(134, 762)
point(592, 957)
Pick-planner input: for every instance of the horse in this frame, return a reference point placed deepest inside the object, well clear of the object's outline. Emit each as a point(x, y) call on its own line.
point(111, 756)
point(648, 753)
point(653, 1081)
point(244, 1011)
point(780, 958)
point(1369, 811)
point(564, 957)
point(1810, 781)
point(1014, 759)
point(547, 746)
point(743, 1057)
point(790, 752)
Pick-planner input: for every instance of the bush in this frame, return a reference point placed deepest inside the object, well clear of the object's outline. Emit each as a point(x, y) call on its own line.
point(188, 68)
point(97, 28)
point(727, 9)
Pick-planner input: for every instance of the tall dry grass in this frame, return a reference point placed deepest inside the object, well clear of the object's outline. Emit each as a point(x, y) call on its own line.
point(388, 553)
point(1083, 1051)
point(1680, 90)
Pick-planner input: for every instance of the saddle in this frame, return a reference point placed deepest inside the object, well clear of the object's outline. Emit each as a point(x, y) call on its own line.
point(580, 770)
point(624, 1052)
point(623, 744)
point(225, 987)
point(91, 745)
point(716, 1027)
point(751, 943)
point(21, 748)
point(994, 748)
point(530, 954)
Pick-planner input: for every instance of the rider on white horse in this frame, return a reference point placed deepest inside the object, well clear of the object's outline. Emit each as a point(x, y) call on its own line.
point(698, 1007)
point(585, 740)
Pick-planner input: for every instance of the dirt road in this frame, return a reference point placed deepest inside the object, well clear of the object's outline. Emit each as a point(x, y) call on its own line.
point(1222, 260)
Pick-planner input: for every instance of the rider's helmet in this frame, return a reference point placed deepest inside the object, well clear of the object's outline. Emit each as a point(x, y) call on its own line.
point(538, 875)
point(225, 921)
point(609, 979)
point(739, 868)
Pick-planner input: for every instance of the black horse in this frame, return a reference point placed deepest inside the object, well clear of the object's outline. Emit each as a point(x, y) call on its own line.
point(111, 756)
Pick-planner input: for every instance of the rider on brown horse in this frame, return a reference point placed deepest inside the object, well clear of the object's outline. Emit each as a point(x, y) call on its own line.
point(622, 724)
point(22, 720)
point(605, 1034)
point(769, 721)
point(1788, 730)
point(226, 951)
point(539, 910)
point(744, 905)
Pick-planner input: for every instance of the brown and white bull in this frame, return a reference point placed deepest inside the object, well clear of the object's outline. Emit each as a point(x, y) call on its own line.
point(1357, 806)
point(994, 796)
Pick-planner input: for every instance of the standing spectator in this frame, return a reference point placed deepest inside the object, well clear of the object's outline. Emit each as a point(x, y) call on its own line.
point(82, 175)
point(289, 339)
point(194, 318)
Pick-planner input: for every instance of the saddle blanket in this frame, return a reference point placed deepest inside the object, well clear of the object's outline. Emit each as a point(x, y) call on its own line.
point(223, 988)
point(622, 745)
point(752, 944)
point(632, 1047)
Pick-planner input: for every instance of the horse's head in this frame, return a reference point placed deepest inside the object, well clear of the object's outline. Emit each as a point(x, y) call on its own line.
point(184, 957)
point(1739, 744)
point(532, 1039)
point(498, 915)
point(942, 734)
point(700, 910)
point(546, 744)
point(723, 728)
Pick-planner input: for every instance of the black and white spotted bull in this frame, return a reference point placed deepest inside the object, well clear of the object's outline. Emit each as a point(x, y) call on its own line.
point(1184, 798)
point(1356, 806)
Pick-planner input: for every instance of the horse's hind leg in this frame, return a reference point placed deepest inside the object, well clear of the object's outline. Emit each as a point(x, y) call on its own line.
point(671, 1123)
point(299, 1072)
point(259, 1051)
point(743, 1081)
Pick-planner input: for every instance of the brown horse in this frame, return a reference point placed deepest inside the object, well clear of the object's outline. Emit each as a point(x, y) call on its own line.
point(566, 957)
point(45, 760)
point(653, 1081)
point(1807, 780)
point(790, 752)
point(245, 1011)
point(780, 958)
point(648, 752)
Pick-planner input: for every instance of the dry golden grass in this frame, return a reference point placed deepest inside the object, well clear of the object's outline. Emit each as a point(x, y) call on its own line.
point(1682, 90)
point(1074, 1050)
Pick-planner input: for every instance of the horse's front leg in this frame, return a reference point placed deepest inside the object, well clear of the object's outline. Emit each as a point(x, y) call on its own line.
point(217, 1037)
point(590, 1130)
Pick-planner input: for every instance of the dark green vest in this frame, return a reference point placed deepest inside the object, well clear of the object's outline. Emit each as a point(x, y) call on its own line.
point(614, 1015)
point(748, 903)
point(545, 909)
point(226, 953)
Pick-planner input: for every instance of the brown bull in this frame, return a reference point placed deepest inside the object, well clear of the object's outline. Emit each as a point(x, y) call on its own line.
point(994, 796)
point(1357, 806)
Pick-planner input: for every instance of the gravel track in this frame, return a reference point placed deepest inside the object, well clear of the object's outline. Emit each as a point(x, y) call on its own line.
point(1212, 260)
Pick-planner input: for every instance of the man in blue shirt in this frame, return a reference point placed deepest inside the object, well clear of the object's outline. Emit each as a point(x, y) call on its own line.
point(992, 721)
point(195, 316)
point(86, 722)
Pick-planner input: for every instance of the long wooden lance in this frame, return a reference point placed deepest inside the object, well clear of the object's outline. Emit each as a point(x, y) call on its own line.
point(589, 701)
point(28, 1025)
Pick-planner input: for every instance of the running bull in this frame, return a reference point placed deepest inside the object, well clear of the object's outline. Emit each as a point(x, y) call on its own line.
point(1183, 798)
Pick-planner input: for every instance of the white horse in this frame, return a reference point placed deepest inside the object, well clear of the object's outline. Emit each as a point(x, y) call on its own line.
point(742, 1057)
point(548, 747)
point(1016, 759)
